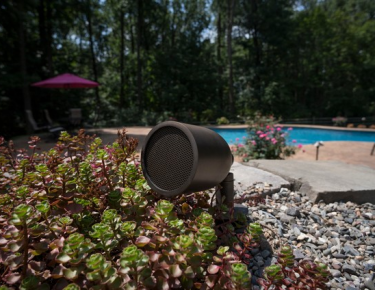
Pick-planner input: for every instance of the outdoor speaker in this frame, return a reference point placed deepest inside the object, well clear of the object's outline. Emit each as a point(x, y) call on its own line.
point(181, 158)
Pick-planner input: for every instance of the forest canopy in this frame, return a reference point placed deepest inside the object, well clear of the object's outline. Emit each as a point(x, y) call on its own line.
point(192, 60)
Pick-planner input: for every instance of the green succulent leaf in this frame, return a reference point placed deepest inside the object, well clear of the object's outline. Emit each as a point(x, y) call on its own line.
point(177, 223)
point(255, 230)
point(43, 207)
point(222, 250)
point(205, 219)
point(133, 257)
point(30, 282)
point(206, 237)
point(71, 273)
point(102, 231)
point(110, 216)
point(63, 258)
point(96, 261)
point(22, 191)
point(65, 221)
point(127, 228)
point(72, 287)
point(241, 276)
point(163, 208)
point(273, 273)
point(21, 213)
point(183, 242)
point(94, 275)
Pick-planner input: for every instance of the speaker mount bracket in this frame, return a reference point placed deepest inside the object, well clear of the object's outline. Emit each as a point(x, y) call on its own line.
point(225, 194)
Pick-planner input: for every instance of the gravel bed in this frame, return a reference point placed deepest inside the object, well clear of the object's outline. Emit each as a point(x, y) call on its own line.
point(341, 235)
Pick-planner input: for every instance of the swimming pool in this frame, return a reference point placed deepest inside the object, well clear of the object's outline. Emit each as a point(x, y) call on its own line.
point(304, 136)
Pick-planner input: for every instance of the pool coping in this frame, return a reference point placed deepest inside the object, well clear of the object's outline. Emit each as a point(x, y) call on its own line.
point(294, 125)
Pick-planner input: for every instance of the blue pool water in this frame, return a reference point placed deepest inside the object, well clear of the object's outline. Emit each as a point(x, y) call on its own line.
point(305, 136)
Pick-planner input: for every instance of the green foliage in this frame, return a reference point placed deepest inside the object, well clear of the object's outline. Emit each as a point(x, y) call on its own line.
point(265, 140)
point(91, 221)
point(314, 61)
point(222, 121)
point(293, 274)
point(255, 230)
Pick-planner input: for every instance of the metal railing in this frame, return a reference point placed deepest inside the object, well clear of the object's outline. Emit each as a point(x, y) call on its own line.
point(328, 121)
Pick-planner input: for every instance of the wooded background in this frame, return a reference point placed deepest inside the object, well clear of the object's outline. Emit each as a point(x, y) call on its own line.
point(193, 60)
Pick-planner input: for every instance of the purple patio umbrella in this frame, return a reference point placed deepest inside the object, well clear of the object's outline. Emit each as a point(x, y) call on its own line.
point(66, 81)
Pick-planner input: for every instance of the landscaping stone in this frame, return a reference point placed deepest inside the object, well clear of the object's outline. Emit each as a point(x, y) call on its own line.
point(344, 239)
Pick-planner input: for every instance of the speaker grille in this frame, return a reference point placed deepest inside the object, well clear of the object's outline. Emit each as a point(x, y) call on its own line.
point(169, 158)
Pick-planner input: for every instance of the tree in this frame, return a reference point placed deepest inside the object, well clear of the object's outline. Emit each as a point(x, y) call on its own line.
point(230, 11)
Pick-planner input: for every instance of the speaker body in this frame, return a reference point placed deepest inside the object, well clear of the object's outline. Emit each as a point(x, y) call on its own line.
point(181, 158)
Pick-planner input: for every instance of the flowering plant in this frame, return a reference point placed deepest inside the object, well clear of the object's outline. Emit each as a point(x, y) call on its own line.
point(265, 140)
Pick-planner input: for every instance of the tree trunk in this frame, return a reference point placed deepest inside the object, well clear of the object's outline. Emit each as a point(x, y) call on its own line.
point(139, 60)
point(93, 56)
point(258, 49)
point(49, 39)
point(219, 63)
point(230, 8)
point(42, 31)
point(132, 45)
point(122, 60)
point(23, 65)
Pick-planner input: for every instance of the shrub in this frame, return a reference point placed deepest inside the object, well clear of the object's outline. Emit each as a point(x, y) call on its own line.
point(222, 121)
point(81, 216)
point(265, 140)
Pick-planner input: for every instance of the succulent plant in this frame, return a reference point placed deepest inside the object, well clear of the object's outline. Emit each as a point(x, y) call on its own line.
point(81, 216)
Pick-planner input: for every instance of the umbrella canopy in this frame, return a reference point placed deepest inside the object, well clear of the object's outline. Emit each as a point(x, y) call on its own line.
point(66, 81)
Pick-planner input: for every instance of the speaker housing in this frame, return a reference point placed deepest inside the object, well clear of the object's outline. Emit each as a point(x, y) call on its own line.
point(182, 158)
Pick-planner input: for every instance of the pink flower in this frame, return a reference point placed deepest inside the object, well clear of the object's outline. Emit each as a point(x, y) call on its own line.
point(240, 145)
point(267, 126)
point(283, 135)
point(234, 149)
point(299, 146)
point(243, 137)
point(268, 138)
point(290, 128)
point(253, 142)
point(262, 135)
point(278, 129)
point(294, 141)
point(259, 132)
point(244, 155)
point(237, 139)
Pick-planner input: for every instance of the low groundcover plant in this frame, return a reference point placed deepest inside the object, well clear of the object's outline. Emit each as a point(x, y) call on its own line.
point(81, 216)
